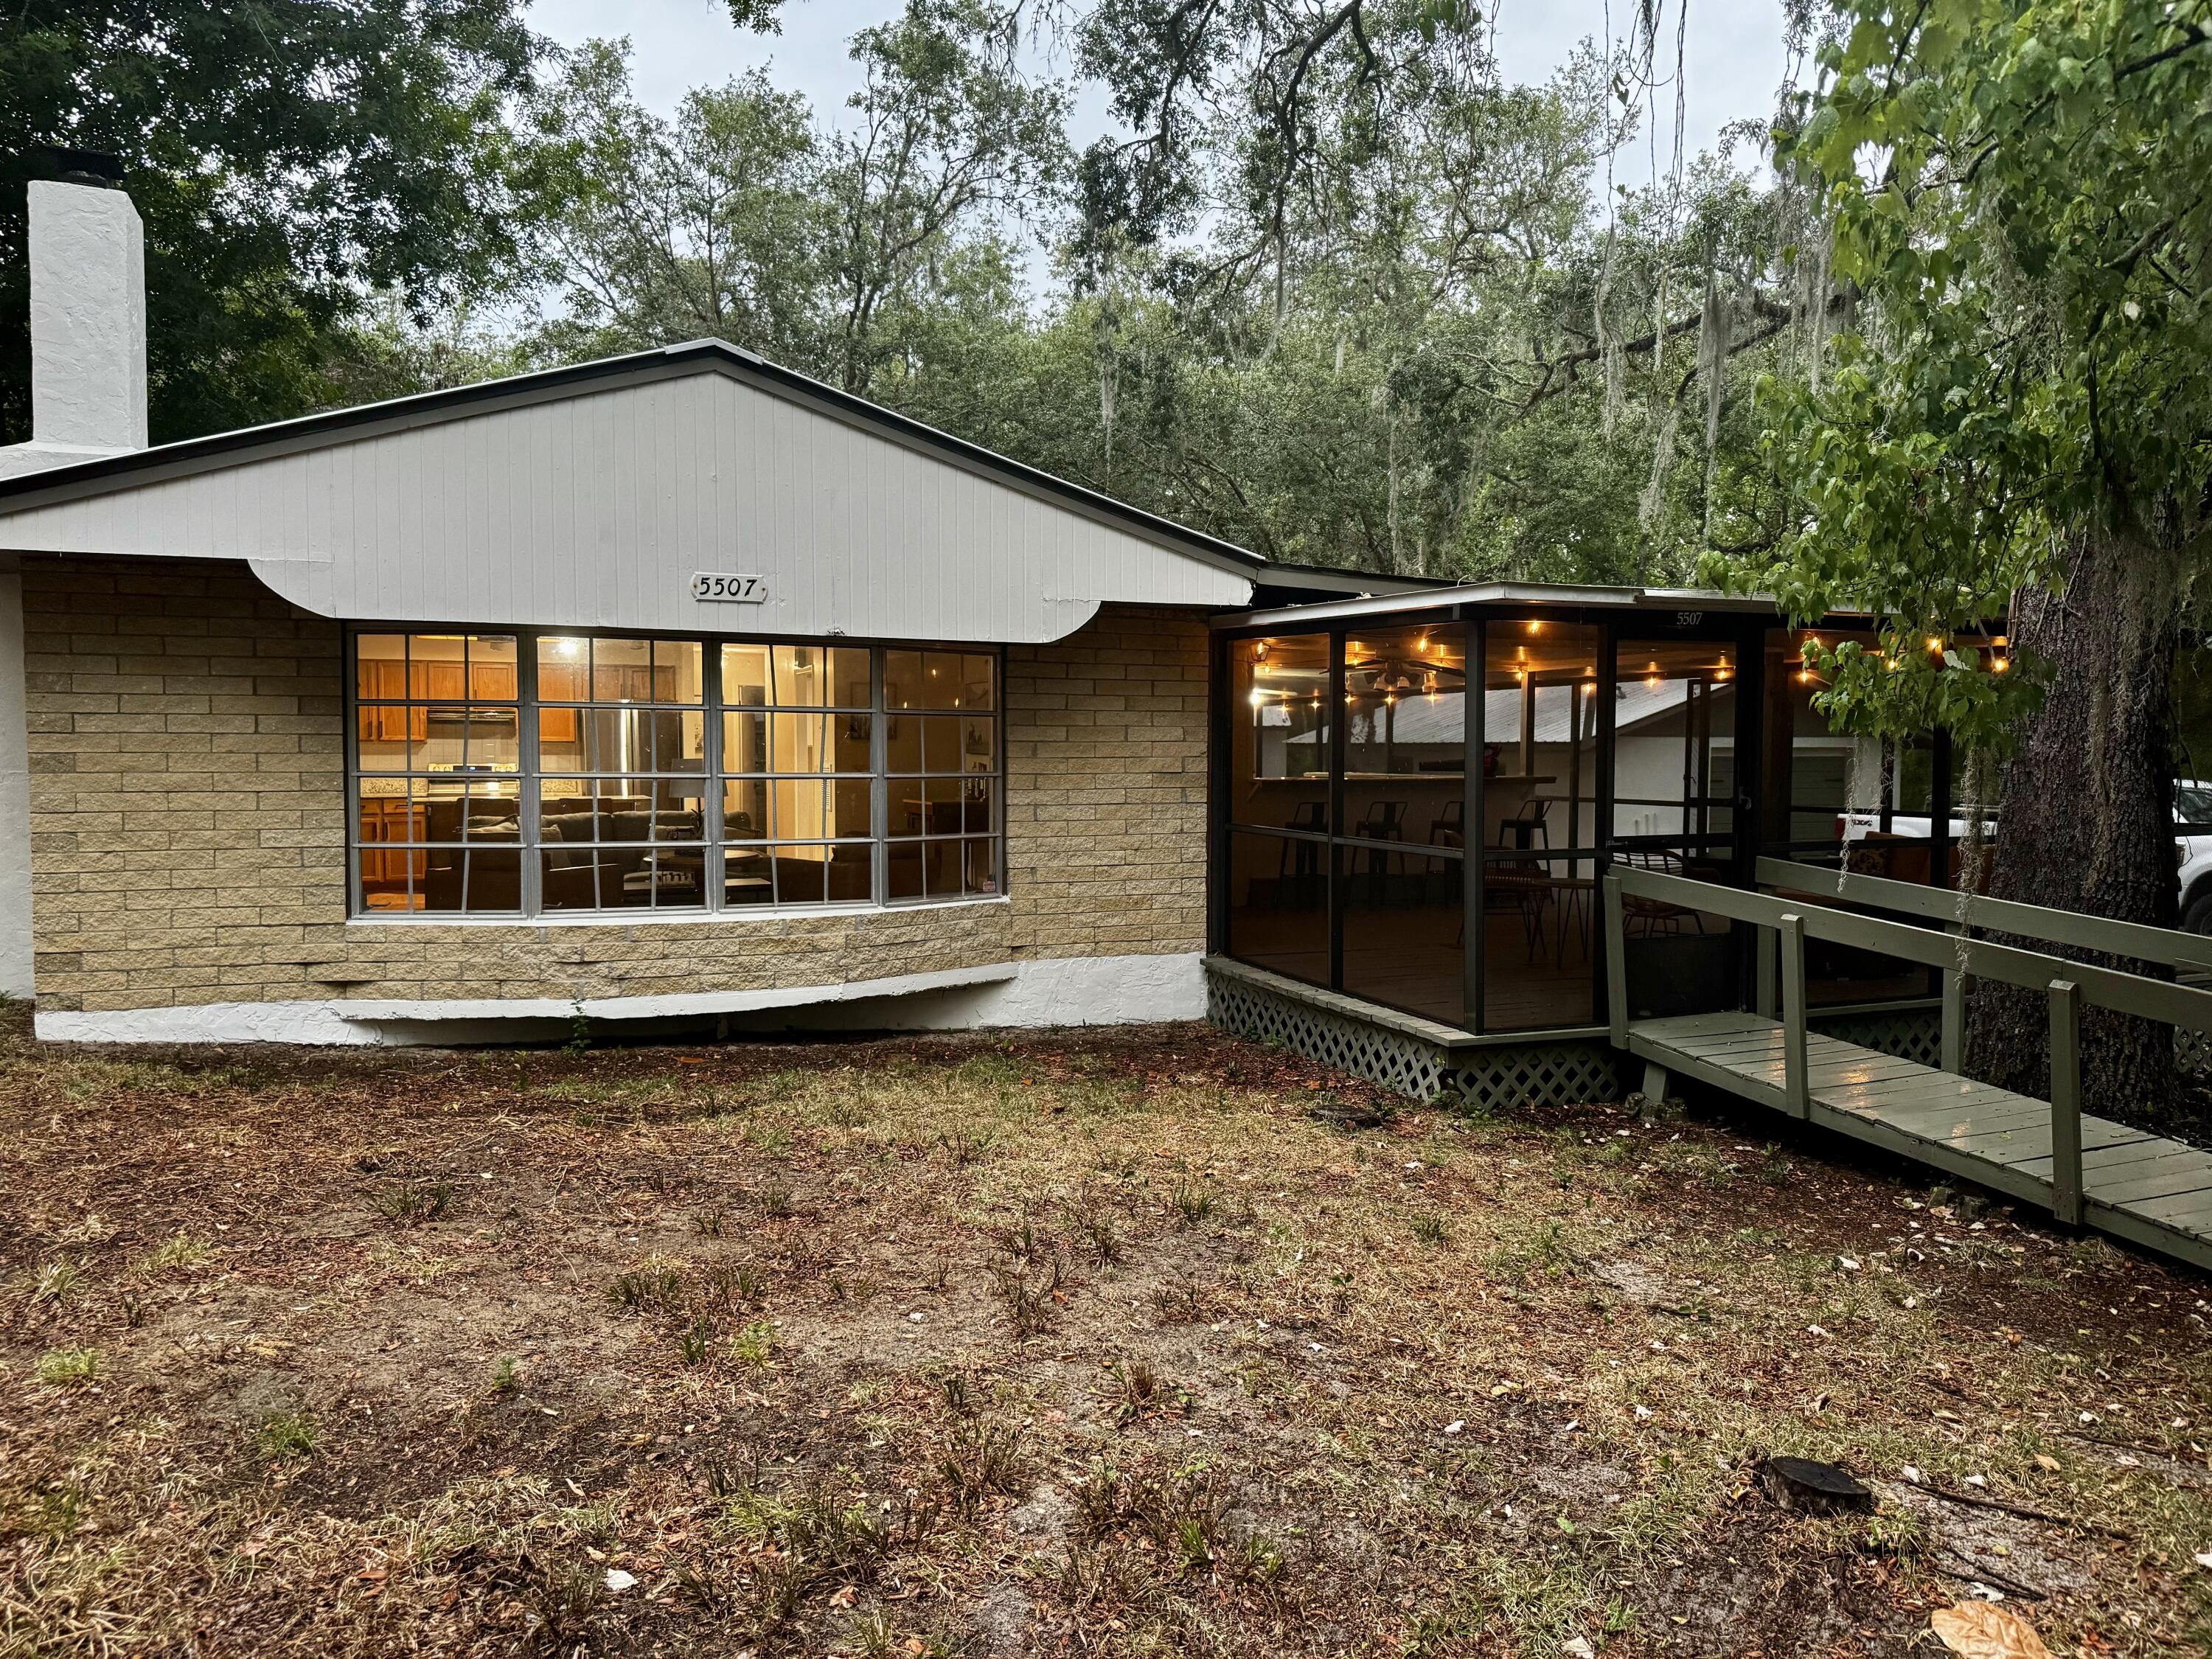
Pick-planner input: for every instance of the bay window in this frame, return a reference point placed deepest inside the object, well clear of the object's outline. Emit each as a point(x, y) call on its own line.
point(551, 773)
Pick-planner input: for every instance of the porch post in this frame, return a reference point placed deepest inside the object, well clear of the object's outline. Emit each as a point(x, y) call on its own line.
point(1471, 863)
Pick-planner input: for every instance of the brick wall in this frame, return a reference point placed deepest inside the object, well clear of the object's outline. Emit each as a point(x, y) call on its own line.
point(188, 819)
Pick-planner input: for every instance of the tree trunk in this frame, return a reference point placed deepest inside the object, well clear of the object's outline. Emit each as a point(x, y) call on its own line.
point(2087, 820)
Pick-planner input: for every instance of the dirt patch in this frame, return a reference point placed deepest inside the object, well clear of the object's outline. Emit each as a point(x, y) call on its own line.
point(1107, 1344)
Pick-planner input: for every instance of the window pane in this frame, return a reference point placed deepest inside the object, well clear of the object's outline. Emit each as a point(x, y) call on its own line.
point(491, 667)
point(745, 676)
point(945, 806)
point(902, 743)
point(490, 816)
point(564, 670)
point(902, 679)
point(437, 667)
point(745, 743)
point(941, 679)
point(622, 671)
point(677, 671)
point(979, 875)
point(976, 804)
point(815, 677)
point(380, 666)
point(851, 875)
point(494, 880)
point(796, 806)
point(569, 878)
point(979, 681)
point(979, 745)
point(560, 739)
point(902, 869)
point(381, 741)
point(679, 743)
point(616, 740)
point(850, 735)
point(940, 745)
point(941, 869)
point(849, 678)
point(849, 807)
point(798, 743)
point(667, 878)
point(745, 810)
point(748, 877)
point(491, 740)
point(801, 874)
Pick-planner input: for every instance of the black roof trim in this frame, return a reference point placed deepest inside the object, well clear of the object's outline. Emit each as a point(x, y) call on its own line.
point(313, 431)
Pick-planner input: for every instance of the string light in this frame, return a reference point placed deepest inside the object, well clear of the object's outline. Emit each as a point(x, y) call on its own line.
point(1535, 629)
point(1259, 651)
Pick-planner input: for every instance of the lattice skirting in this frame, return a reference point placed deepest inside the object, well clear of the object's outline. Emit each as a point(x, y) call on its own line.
point(1914, 1034)
point(1487, 1079)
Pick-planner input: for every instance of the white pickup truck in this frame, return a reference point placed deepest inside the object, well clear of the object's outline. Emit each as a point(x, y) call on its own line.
point(2192, 845)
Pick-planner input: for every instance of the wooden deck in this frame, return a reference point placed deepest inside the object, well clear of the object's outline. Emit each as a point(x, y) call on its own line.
point(2136, 1186)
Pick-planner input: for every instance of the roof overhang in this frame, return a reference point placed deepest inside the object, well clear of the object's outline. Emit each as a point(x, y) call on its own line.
point(590, 496)
point(1427, 601)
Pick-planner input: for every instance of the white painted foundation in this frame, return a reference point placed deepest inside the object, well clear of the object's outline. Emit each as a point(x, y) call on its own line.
point(1058, 991)
point(14, 792)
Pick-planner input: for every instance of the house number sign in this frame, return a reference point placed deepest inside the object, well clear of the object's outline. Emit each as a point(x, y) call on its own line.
point(716, 587)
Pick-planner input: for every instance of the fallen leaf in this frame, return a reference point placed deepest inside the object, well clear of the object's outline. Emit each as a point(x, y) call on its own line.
point(2045, 1460)
point(618, 1581)
point(1980, 1630)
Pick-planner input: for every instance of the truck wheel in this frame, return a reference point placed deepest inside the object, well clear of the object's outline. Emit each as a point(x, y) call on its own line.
point(2197, 917)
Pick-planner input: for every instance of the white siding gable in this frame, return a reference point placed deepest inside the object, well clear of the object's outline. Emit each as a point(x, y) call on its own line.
point(593, 509)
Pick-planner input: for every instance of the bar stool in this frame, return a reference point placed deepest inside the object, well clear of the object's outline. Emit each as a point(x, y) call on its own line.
point(1385, 820)
point(1311, 816)
point(1524, 826)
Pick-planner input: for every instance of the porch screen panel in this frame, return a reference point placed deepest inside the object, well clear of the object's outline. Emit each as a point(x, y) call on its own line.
point(1539, 761)
point(1403, 843)
point(1280, 729)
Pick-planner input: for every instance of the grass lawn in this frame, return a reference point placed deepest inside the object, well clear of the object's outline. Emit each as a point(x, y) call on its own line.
point(1084, 1344)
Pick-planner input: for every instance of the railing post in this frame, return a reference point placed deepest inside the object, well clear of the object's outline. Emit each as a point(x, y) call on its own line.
point(1796, 1082)
point(1616, 965)
point(2066, 1102)
point(1954, 1021)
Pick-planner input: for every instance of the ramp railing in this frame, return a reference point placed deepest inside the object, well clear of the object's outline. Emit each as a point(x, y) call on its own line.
point(2069, 986)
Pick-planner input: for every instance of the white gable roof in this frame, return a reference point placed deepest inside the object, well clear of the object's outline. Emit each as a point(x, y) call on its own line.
point(589, 497)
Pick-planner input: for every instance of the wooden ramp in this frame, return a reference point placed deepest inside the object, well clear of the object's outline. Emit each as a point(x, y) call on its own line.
point(2136, 1186)
point(2089, 1171)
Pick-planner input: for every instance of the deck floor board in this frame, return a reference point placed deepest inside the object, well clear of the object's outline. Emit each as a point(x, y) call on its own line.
point(2148, 1188)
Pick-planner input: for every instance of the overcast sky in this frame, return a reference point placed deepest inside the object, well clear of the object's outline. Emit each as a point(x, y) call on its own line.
point(1734, 53)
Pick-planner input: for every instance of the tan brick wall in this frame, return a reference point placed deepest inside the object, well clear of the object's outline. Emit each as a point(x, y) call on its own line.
point(188, 819)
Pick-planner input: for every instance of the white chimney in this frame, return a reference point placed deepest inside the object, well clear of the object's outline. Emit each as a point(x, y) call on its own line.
point(87, 328)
